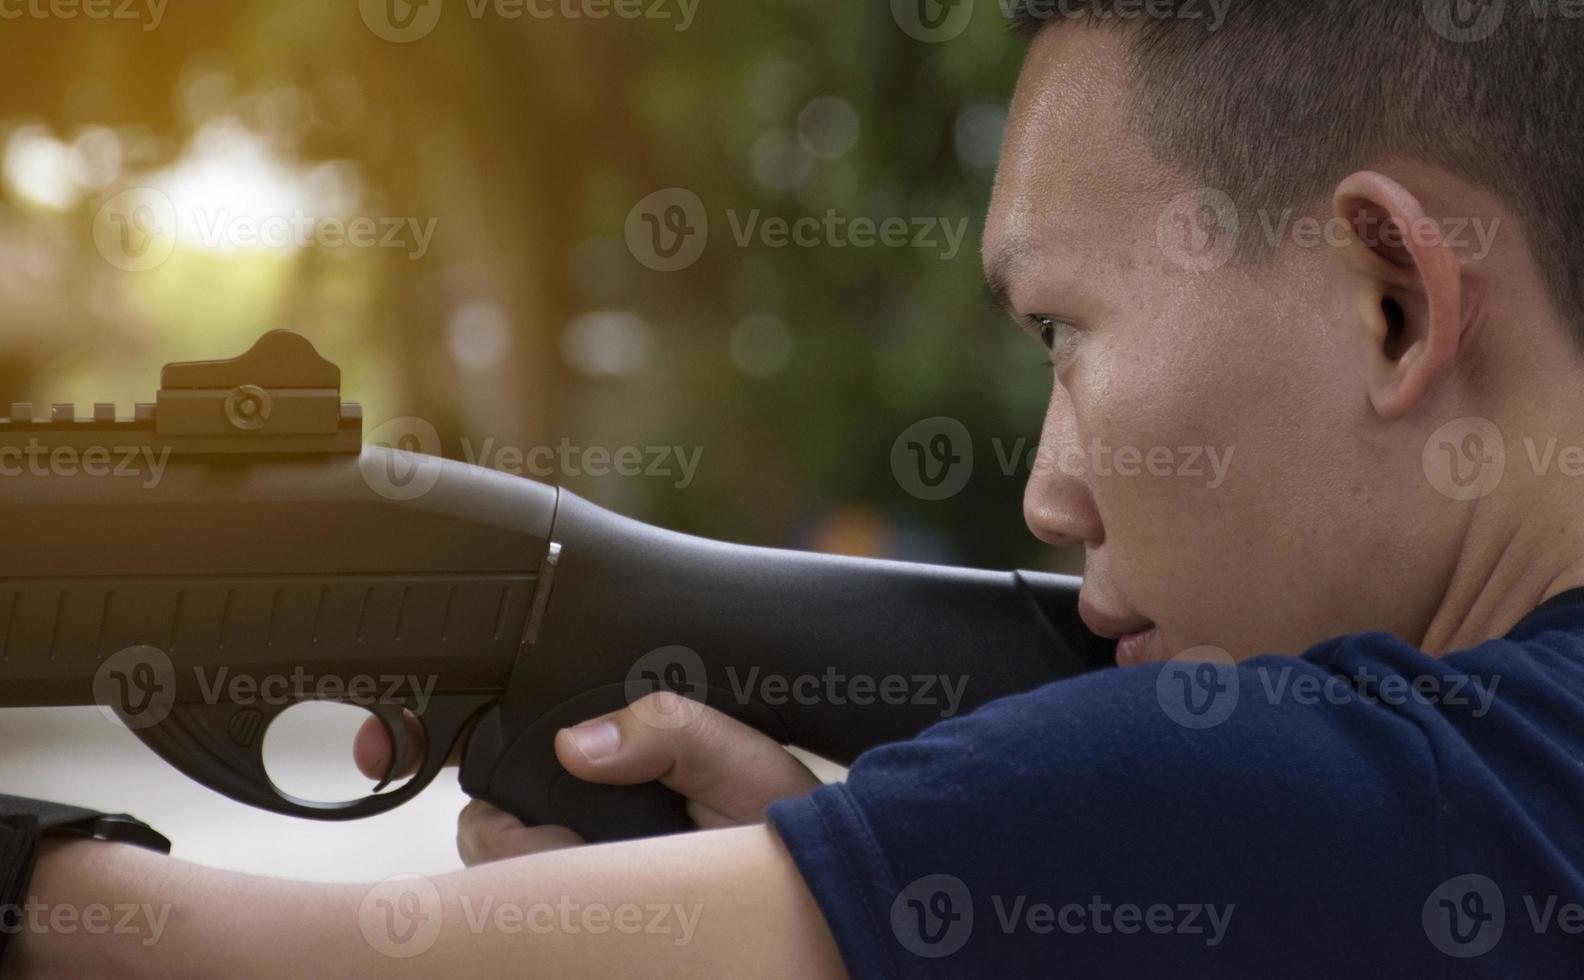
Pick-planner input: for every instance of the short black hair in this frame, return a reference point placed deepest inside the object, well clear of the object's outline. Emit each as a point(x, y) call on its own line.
point(1281, 99)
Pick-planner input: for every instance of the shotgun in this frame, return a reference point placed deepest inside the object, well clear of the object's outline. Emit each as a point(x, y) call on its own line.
point(234, 549)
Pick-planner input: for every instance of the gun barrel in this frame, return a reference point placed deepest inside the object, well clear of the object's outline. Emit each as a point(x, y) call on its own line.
point(264, 565)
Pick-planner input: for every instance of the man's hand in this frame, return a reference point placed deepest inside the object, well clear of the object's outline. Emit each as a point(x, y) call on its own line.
point(729, 773)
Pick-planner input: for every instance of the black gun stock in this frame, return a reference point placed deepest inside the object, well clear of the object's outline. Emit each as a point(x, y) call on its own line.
point(233, 550)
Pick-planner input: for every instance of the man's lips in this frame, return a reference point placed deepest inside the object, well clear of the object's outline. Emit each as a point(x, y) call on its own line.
point(1134, 634)
point(1135, 648)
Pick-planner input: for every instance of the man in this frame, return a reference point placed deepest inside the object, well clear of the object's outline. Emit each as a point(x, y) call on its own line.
point(1332, 239)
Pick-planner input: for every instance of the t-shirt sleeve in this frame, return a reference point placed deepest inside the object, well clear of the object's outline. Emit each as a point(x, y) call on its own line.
point(1182, 820)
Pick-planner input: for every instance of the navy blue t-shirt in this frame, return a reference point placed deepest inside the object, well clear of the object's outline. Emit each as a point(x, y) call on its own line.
point(1362, 811)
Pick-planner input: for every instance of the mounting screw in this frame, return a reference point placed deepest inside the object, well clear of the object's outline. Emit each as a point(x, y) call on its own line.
point(248, 407)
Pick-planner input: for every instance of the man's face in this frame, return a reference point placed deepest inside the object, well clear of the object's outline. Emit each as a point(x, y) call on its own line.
point(1209, 441)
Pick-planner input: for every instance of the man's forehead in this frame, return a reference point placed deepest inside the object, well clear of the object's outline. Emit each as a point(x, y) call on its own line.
point(1072, 176)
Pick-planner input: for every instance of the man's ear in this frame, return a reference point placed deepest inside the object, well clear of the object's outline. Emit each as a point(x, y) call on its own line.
point(1416, 286)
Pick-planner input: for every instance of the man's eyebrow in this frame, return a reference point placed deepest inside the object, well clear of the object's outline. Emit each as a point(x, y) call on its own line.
point(1000, 267)
point(997, 292)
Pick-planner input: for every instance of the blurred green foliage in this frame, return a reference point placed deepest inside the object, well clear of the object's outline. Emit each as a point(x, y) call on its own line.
point(528, 319)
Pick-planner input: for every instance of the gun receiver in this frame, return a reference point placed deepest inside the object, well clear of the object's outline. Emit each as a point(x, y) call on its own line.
point(233, 549)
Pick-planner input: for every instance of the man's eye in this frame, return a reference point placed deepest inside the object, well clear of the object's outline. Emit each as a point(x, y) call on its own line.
point(1053, 333)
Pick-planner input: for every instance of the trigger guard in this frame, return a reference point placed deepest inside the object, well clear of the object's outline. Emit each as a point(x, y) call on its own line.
point(396, 728)
point(221, 746)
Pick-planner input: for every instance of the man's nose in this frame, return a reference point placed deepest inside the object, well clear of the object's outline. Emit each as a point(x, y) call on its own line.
point(1058, 504)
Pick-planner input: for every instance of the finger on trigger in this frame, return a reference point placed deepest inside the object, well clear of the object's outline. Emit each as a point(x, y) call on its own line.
point(371, 748)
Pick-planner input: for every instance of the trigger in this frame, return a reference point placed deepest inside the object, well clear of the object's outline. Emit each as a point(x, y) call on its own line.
point(393, 716)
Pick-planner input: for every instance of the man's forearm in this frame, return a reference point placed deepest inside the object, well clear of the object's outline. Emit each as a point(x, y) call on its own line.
point(724, 901)
point(99, 910)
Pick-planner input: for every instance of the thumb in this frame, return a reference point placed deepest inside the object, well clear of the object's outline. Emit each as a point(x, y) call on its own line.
point(729, 772)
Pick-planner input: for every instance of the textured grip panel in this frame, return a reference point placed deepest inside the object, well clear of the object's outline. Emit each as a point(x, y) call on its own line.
point(54, 632)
